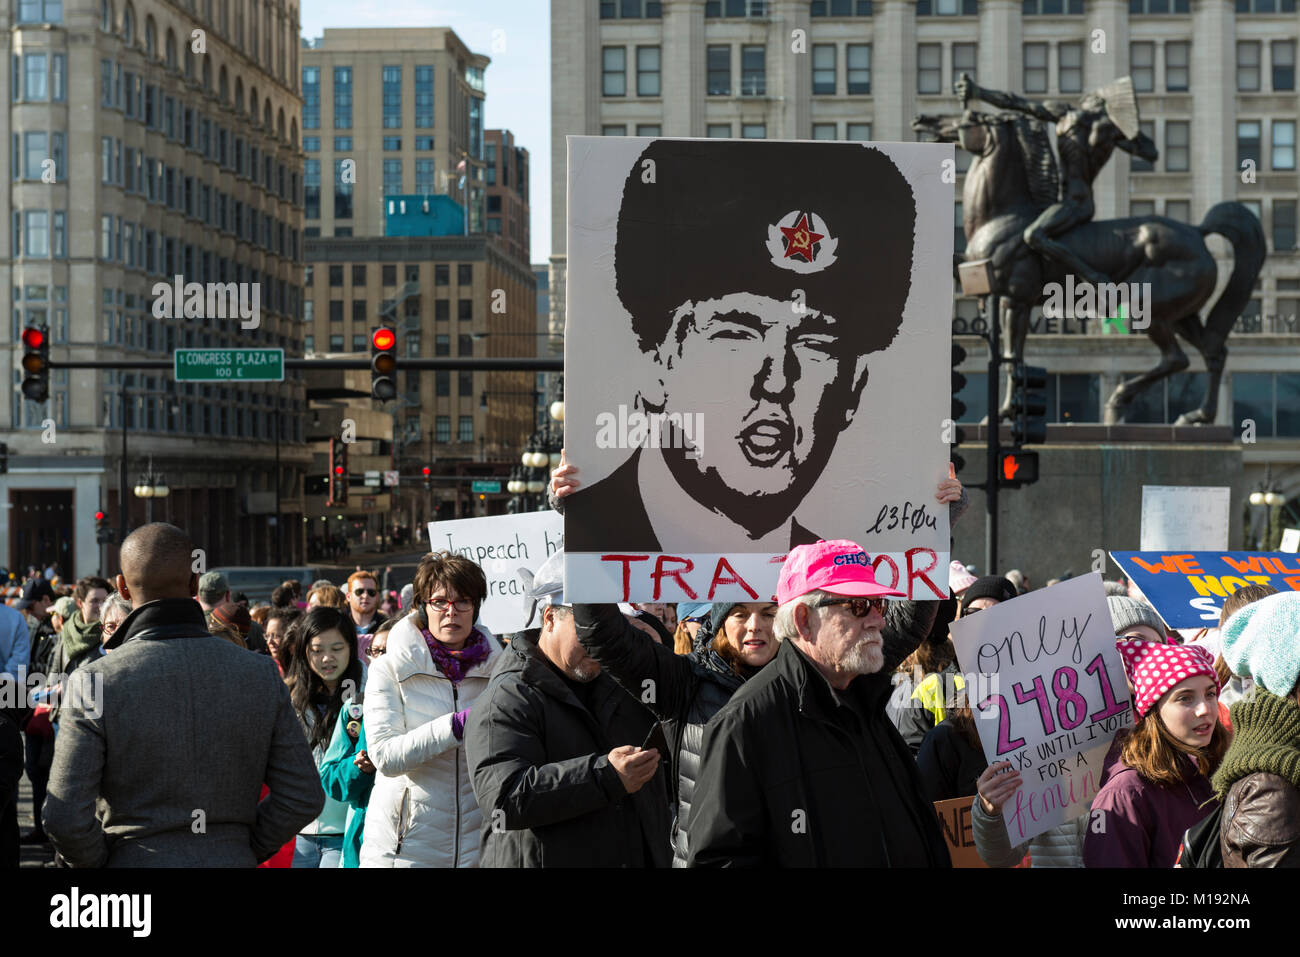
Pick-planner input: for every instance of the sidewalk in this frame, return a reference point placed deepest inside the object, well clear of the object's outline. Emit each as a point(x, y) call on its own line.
point(30, 855)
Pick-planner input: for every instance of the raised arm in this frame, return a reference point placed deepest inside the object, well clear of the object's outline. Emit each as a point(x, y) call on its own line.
point(967, 89)
point(645, 669)
point(1140, 145)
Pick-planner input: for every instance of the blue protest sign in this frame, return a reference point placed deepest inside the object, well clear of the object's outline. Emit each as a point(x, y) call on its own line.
point(1188, 588)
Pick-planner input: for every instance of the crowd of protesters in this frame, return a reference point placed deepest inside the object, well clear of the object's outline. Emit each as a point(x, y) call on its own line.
point(345, 726)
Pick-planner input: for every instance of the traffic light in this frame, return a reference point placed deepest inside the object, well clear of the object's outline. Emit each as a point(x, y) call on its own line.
point(1017, 467)
point(428, 480)
point(4, 457)
point(36, 363)
point(383, 363)
point(338, 494)
point(1029, 405)
point(958, 406)
point(104, 535)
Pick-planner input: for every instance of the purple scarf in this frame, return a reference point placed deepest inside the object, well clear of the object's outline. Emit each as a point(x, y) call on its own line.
point(454, 664)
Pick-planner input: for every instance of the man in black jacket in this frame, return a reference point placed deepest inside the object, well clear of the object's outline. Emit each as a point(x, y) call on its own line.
point(802, 768)
point(552, 750)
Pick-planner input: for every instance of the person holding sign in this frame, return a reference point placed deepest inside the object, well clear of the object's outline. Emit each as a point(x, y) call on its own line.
point(1155, 783)
point(802, 768)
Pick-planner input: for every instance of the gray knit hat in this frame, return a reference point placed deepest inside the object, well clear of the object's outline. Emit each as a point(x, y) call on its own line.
point(1126, 612)
point(1262, 641)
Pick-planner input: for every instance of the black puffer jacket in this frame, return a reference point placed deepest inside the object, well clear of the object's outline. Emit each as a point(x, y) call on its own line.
point(684, 691)
point(540, 766)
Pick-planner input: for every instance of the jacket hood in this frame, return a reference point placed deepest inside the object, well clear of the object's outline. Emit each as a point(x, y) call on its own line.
point(80, 636)
point(408, 654)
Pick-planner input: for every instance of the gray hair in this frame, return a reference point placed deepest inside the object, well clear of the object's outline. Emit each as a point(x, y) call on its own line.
point(783, 627)
point(115, 603)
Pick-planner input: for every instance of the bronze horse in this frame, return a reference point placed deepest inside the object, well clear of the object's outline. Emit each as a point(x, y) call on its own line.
point(1000, 200)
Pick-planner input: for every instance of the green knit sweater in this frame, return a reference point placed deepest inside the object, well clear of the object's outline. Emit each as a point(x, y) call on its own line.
point(1266, 738)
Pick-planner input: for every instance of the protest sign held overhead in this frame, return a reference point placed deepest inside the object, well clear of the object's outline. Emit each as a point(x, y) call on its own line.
point(1060, 696)
point(1184, 517)
point(757, 357)
point(1188, 588)
point(501, 545)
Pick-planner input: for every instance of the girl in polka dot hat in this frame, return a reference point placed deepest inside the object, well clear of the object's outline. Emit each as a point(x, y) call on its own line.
point(1155, 779)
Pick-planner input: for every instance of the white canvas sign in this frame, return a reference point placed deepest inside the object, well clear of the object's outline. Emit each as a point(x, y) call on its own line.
point(1056, 696)
point(758, 357)
point(501, 545)
point(1188, 517)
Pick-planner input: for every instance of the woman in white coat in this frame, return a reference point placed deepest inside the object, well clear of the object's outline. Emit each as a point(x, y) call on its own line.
point(422, 810)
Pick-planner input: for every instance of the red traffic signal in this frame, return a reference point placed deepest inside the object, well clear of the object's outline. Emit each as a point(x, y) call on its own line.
point(338, 470)
point(33, 337)
point(383, 338)
point(1017, 468)
point(99, 516)
point(427, 471)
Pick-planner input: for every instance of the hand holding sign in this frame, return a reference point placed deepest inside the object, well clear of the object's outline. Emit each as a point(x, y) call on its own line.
point(996, 785)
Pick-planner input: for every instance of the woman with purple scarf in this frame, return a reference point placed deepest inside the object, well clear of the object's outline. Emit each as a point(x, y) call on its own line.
point(422, 811)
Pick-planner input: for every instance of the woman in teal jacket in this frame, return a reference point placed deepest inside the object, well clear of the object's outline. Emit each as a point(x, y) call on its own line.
point(347, 775)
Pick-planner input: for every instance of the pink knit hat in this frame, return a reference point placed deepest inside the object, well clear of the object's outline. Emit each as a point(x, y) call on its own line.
point(958, 578)
point(1153, 669)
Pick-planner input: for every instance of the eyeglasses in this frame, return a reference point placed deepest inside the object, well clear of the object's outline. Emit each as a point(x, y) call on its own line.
point(365, 591)
point(441, 605)
point(373, 652)
point(858, 607)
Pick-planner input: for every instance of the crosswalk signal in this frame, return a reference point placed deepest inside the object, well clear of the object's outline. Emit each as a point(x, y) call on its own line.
point(103, 534)
point(958, 406)
point(1029, 405)
point(1017, 467)
point(36, 363)
point(338, 480)
point(383, 363)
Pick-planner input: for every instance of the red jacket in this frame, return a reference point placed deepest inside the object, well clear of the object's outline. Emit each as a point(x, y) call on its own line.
point(284, 856)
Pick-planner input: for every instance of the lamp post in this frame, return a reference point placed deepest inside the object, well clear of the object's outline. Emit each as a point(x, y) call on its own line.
point(151, 485)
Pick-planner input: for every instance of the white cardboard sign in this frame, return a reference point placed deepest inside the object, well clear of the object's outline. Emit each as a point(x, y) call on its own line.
point(1188, 517)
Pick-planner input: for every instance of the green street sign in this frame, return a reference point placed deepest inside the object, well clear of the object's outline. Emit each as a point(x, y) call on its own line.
point(480, 485)
point(229, 365)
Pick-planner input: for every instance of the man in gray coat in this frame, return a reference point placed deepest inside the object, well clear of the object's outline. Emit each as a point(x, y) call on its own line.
point(175, 731)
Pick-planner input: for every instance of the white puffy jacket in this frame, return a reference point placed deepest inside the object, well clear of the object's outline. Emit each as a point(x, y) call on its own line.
point(422, 811)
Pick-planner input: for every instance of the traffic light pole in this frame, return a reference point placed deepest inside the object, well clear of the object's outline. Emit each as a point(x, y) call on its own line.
point(121, 475)
point(993, 305)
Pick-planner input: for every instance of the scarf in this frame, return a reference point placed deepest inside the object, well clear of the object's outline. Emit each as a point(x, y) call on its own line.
point(454, 664)
point(1266, 738)
point(79, 637)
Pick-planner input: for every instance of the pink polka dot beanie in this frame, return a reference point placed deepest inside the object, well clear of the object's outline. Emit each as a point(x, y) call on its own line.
point(1153, 669)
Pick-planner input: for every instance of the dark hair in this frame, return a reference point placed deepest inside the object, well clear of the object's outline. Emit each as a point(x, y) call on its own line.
point(449, 572)
point(294, 586)
point(282, 597)
point(307, 690)
point(1242, 597)
point(88, 584)
point(1155, 754)
point(292, 634)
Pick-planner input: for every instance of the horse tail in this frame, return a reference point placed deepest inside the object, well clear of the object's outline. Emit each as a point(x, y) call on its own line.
point(1239, 226)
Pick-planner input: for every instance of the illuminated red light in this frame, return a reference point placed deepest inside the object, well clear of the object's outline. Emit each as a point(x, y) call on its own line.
point(33, 338)
point(384, 339)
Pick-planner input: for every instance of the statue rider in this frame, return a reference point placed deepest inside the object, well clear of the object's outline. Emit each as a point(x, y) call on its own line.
point(1086, 135)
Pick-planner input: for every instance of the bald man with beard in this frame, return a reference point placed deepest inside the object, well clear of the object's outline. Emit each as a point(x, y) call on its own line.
point(175, 731)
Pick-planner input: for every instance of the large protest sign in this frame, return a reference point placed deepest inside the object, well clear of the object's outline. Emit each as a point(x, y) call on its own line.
point(1184, 517)
point(501, 545)
point(757, 356)
point(1058, 696)
point(1188, 588)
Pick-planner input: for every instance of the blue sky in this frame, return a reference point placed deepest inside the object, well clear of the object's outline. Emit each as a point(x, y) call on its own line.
point(517, 83)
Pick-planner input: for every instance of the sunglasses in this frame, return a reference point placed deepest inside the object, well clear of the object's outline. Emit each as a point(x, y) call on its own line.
point(373, 652)
point(858, 607)
point(365, 591)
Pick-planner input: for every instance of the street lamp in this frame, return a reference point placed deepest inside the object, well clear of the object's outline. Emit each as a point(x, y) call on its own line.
point(151, 485)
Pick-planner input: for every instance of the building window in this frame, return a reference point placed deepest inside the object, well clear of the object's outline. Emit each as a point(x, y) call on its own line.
point(392, 144)
point(719, 70)
point(1179, 209)
point(1047, 8)
point(466, 433)
point(1248, 137)
point(840, 8)
point(343, 98)
point(1283, 144)
point(647, 71)
point(644, 129)
point(1142, 66)
point(614, 71)
point(1283, 56)
point(464, 274)
point(1177, 57)
point(1284, 225)
point(630, 9)
point(442, 310)
point(442, 345)
point(358, 310)
point(1141, 207)
point(858, 132)
point(753, 70)
point(929, 68)
point(718, 130)
point(1177, 146)
point(1035, 67)
point(959, 230)
point(964, 58)
point(1266, 6)
point(464, 345)
point(1247, 66)
point(37, 223)
point(342, 144)
point(441, 274)
point(465, 310)
point(392, 176)
point(614, 129)
point(442, 383)
point(423, 144)
point(36, 77)
point(823, 69)
point(824, 131)
point(1069, 73)
point(859, 67)
point(947, 8)
point(311, 189)
point(40, 11)
point(310, 99)
point(342, 193)
point(424, 101)
point(424, 177)
point(442, 428)
point(1159, 6)
point(753, 131)
point(391, 77)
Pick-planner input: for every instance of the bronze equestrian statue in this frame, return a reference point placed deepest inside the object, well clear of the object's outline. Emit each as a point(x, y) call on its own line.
point(1035, 225)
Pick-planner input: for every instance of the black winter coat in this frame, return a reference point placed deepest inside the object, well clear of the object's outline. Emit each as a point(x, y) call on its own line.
point(783, 781)
point(949, 766)
point(684, 691)
point(540, 767)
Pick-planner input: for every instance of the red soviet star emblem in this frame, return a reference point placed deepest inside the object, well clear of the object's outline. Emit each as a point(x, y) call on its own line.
point(799, 239)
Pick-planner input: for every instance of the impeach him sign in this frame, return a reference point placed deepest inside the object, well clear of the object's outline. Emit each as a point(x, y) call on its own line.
point(1059, 696)
point(501, 545)
point(1188, 588)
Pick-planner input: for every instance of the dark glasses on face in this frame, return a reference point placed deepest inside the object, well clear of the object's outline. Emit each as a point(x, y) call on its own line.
point(365, 591)
point(858, 607)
